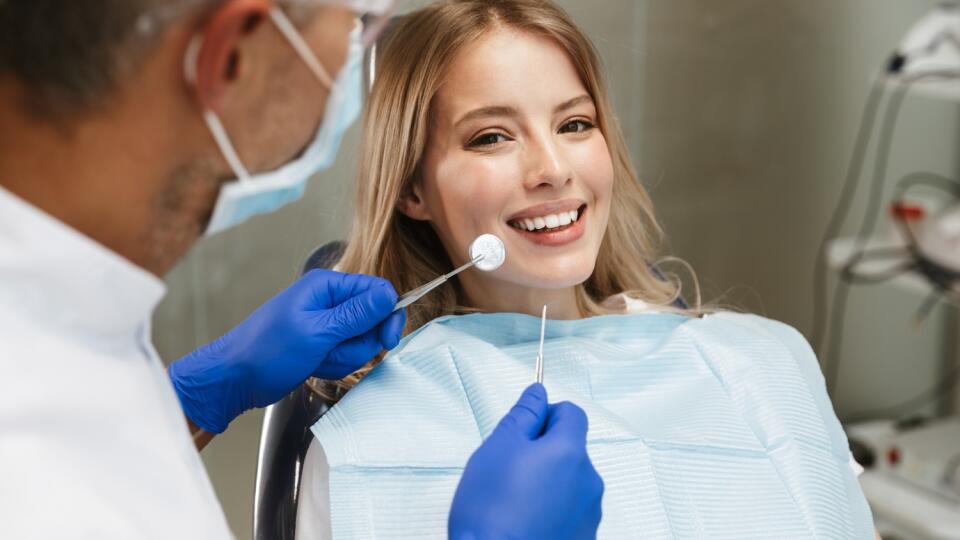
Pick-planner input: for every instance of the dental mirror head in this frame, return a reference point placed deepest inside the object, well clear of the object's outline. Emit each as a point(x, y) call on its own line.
point(489, 252)
point(486, 253)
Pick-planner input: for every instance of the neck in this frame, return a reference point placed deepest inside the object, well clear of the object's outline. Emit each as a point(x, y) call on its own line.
point(493, 295)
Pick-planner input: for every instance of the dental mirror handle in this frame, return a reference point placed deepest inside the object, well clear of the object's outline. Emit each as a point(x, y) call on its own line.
point(421, 291)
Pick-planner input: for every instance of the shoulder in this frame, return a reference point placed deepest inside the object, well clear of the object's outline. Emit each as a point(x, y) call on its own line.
point(748, 322)
point(420, 388)
point(761, 325)
point(753, 333)
point(759, 342)
point(784, 370)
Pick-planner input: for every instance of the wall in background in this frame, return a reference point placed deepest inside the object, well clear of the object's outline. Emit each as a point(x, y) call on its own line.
point(740, 115)
point(750, 110)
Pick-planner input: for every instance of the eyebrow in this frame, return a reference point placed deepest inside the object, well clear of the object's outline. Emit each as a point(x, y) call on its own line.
point(487, 112)
point(571, 103)
point(503, 110)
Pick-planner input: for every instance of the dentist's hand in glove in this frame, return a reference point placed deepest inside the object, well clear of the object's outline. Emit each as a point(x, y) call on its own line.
point(531, 478)
point(326, 325)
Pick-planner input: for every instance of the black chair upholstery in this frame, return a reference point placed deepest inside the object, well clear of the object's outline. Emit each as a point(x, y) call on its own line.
point(284, 440)
point(325, 256)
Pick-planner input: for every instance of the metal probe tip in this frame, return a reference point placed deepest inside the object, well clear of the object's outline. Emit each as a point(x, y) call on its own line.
point(543, 328)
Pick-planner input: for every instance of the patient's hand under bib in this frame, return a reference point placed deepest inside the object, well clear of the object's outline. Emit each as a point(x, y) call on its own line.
point(701, 428)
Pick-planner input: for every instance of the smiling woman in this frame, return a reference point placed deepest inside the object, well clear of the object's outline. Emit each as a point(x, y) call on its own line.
point(491, 116)
point(515, 154)
point(501, 123)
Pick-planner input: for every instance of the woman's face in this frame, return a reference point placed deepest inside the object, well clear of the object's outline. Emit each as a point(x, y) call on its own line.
point(514, 150)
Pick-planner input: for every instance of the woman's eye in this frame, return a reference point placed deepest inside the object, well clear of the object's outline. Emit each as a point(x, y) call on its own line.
point(487, 139)
point(577, 126)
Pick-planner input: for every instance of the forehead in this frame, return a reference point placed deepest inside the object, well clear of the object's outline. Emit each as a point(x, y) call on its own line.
point(508, 67)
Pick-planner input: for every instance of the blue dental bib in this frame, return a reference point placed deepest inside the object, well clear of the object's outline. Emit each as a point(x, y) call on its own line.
point(718, 427)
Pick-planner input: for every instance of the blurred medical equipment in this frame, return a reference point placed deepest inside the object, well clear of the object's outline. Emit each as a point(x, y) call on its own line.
point(912, 464)
point(913, 478)
point(487, 253)
point(928, 61)
point(543, 330)
point(931, 46)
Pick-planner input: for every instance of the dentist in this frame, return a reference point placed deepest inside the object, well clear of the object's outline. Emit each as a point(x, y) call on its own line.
point(128, 130)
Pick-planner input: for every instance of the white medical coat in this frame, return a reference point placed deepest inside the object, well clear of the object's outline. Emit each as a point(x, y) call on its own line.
point(93, 443)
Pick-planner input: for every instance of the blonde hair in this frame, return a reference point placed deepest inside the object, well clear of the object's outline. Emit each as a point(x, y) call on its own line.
point(411, 66)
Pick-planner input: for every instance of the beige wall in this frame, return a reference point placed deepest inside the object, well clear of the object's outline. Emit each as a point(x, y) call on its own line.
point(750, 109)
point(741, 116)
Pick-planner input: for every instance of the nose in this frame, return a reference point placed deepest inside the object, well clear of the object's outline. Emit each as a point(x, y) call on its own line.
point(546, 166)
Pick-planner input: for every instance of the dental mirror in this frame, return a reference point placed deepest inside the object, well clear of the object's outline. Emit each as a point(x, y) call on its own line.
point(490, 250)
point(487, 253)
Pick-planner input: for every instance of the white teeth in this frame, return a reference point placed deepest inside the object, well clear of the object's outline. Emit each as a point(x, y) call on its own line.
point(551, 221)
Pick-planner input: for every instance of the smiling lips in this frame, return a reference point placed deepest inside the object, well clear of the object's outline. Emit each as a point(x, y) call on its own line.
point(551, 224)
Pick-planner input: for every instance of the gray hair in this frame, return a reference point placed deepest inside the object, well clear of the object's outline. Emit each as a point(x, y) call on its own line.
point(70, 54)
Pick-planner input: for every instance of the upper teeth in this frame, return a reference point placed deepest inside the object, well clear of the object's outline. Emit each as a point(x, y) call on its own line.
point(550, 221)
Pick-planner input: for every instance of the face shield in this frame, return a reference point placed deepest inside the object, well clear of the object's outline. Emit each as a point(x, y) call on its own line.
point(375, 14)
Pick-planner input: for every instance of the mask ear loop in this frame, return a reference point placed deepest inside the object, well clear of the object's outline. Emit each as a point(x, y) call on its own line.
point(213, 122)
point(296, 41)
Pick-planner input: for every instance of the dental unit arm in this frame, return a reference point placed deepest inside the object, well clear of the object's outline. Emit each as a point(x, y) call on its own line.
point(931, 50)
point(931, 46)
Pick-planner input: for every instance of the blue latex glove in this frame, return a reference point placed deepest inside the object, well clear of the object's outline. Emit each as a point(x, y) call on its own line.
point(531, 478)
point(326, 325)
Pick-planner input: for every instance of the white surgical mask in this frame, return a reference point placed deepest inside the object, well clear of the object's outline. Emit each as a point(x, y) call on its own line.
point(250, 195)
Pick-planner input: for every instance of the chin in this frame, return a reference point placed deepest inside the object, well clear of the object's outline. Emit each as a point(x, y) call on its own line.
point(545, 276)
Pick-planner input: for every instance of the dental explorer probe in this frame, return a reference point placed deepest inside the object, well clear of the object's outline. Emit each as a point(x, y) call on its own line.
point(543, 328)
point(487, 253)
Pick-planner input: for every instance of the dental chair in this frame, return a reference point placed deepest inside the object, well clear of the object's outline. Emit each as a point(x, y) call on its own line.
point(285, 435)
point(285, 438)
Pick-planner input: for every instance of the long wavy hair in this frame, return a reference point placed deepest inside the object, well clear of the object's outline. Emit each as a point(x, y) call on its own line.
point(412, 62)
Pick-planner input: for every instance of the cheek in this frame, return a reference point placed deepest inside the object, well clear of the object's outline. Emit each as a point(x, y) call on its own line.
point(470, 192)
point(594, 166)
point(284, 119)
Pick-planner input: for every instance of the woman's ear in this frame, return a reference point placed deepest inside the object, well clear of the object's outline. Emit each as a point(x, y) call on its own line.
point(412, 205)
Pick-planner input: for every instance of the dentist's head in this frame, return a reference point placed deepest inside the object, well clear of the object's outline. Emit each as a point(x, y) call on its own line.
point(145, 123)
